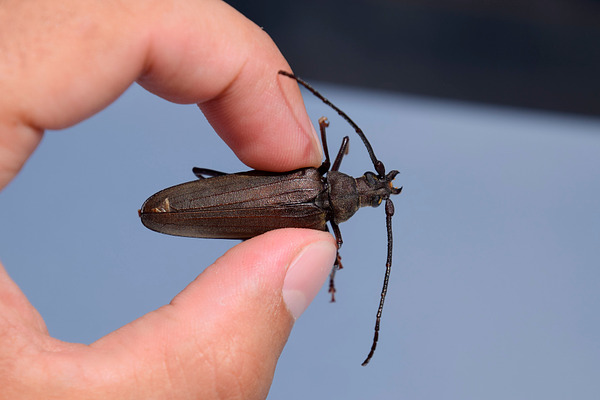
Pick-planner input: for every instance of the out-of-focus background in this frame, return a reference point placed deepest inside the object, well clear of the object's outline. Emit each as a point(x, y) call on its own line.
point(490, 112)
point(537, 53)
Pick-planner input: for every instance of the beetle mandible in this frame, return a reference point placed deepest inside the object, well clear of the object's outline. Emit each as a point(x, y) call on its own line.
point(246, 204)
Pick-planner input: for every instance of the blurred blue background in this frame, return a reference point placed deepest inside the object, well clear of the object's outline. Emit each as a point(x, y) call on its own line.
point(495, 284)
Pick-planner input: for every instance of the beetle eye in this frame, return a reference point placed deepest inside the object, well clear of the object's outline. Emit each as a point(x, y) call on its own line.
point(376, 201)
point(370, 178)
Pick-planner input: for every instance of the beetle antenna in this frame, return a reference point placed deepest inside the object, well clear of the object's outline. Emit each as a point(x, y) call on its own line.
point(378, 164)
point(389, 211)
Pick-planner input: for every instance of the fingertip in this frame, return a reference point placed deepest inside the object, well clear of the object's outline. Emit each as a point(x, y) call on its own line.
point(262, 117)
point(306, 274)
point(313, 155)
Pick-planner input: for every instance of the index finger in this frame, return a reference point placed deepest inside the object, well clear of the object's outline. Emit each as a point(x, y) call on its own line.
point(62, 64)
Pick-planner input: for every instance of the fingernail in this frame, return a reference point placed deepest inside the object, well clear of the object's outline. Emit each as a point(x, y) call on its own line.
point(306, 274)
point(316, 142)
point(315, 135)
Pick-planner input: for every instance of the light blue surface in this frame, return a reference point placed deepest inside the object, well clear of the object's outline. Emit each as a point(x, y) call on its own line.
point(495, 288)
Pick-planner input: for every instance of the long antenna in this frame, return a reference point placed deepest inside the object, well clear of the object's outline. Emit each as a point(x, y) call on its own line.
point(389, 206)
point(376, 163)
point(389, 212)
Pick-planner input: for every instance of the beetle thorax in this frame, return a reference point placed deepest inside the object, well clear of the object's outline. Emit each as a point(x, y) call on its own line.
point(343, 196)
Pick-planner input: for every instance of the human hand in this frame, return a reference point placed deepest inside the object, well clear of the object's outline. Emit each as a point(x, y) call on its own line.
point(221, 336)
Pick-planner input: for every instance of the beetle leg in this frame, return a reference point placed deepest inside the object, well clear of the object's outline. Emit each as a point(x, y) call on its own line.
point(323, 123)
point(203, 173)
point(336, 266)
point(343, 151)
point(331, 280)
point(338, 235)
point(338, 259)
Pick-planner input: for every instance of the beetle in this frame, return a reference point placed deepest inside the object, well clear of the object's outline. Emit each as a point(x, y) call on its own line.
point(245, 204)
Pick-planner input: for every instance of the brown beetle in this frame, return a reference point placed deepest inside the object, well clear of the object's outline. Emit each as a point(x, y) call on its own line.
point(246, 204)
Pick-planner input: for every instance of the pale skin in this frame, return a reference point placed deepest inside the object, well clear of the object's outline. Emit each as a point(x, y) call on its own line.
point(220, 338)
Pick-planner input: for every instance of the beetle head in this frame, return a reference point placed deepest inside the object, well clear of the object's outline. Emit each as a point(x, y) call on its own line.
point(373, 189)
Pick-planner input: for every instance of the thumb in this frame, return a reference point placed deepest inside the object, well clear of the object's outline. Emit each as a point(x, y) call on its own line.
point(222, 335)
